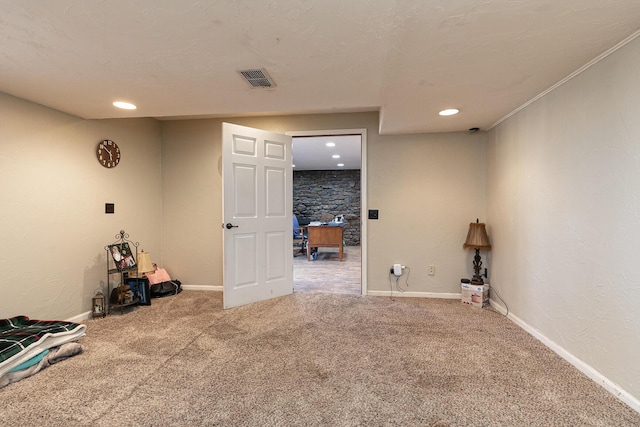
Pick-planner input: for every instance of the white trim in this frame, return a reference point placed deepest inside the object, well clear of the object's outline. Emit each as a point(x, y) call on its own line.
point(583, 367)
point(80, 317)
point(363, 189)
point(363, 212)
point(415, 294)
point(569, 77)
point(498, 307)
point(326, 132)
point(218, 288)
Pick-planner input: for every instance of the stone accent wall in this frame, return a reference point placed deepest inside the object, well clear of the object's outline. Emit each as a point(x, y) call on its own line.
point(330, 193)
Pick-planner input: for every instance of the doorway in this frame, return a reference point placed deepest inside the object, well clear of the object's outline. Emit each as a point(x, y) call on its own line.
point(330, 168)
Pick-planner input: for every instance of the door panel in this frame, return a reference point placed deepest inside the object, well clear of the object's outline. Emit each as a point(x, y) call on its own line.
point(275, 256)
point(244, 145)
point(257, 205)
point(275, 187)
point(275, 150)
point(245, 183)
point(245, 247)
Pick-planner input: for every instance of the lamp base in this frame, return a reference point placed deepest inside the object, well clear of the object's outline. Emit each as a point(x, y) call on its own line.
point(477, 280)
point(477, 265)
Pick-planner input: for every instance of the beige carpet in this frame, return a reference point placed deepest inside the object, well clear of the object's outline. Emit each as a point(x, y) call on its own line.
point(310, 359)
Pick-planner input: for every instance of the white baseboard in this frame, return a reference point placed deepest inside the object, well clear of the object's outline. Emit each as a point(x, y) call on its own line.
point(88, 315)
point(583, 367)
point(498, 307)
point(80, 317)
point(371, 293)
point(202, 288)
point(414, 294)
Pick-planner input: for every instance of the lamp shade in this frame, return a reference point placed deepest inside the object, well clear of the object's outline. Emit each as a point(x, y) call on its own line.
point(144, 263)
point(477, 237)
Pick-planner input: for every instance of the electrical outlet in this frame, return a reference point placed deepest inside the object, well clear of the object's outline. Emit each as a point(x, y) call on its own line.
point(431, 270)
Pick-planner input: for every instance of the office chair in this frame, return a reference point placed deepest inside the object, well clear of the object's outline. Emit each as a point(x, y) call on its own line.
point(299, 236)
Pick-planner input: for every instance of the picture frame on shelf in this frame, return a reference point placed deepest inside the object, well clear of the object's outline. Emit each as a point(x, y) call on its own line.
point(123, 258)
point(140, 288)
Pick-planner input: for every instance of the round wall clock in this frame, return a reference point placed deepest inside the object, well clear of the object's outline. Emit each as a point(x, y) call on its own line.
point(108, 153)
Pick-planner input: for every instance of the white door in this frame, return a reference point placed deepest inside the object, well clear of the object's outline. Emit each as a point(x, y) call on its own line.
point(257, 214)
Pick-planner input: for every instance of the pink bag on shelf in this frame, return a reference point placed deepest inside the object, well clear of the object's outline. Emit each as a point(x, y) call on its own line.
point(158, 276)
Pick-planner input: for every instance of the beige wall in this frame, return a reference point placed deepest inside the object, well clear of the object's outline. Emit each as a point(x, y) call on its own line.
point(53, 226)
point(168, 197)
point(564, 205)
point(427, 188)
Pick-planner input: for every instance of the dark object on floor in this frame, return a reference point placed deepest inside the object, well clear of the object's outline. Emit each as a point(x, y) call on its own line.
point(161, 284)
point(121, 295)
point(163, 289)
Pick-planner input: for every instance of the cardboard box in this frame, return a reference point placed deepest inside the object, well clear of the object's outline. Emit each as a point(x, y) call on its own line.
point(475, 295)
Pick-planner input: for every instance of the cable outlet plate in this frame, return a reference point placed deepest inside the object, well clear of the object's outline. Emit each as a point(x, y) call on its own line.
point(431, 270)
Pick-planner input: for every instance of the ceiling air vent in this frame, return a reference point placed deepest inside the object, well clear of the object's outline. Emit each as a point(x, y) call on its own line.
point(257, 77)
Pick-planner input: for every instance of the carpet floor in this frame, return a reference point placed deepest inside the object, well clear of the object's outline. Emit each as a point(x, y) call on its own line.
point(310, 359)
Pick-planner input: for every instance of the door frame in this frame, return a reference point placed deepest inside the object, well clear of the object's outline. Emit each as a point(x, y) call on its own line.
point(363, 188)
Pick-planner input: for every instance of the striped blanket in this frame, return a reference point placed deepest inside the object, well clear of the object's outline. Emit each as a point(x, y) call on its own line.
point(21, 338)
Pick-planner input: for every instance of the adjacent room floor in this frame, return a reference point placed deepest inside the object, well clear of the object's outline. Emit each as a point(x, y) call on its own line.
point(327, 274)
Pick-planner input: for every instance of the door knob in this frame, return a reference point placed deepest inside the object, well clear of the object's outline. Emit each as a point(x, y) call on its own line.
point(230, 226)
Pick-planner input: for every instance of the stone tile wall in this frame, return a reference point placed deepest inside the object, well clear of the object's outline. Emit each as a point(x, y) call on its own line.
point(330, 193)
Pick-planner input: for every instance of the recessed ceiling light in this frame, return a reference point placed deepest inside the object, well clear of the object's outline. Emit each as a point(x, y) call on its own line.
point(294, 166)
point(124, 105)
point(449, 112)
point(336, 156)
point(330, 144)
point(340, 165)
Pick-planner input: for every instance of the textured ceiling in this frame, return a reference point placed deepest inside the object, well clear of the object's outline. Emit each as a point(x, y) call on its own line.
point(407, 59)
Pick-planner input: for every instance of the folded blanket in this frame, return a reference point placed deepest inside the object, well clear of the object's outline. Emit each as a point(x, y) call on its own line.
point(46, 358)
point(33, 361)
point(21, 338)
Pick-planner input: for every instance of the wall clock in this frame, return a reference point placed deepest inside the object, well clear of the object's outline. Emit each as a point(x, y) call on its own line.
point(108, 153)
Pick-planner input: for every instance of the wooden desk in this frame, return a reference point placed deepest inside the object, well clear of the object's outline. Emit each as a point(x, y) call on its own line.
point(324, 236)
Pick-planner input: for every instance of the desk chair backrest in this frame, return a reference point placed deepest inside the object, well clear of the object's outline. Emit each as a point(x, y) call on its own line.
point(297, 232)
